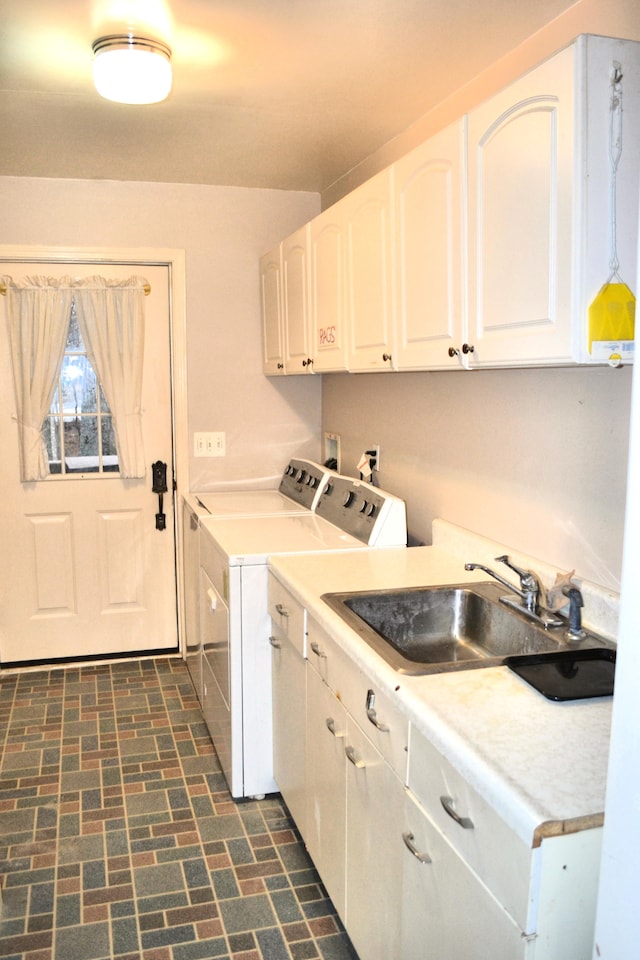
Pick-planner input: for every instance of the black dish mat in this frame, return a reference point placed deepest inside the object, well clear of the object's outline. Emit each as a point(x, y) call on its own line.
point(569, 674)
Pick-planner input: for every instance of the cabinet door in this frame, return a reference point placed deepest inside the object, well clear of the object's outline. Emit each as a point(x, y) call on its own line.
point(272, 325)
point(216, 680)
point(429, 209)
point(295, 295)
point(326, 807)
point(191, 587)
point(522, 185)
point(446, 910)
point(289, 735)
point(369, 274)
point(374, 861)
point(328, 289)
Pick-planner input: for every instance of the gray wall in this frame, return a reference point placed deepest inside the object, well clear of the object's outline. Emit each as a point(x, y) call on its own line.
point(535, 459)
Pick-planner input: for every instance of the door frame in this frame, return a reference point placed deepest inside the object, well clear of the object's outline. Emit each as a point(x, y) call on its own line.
point(139, 257)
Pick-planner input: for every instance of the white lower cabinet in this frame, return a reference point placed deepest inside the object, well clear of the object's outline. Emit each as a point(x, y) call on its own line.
point(289, 681)
point(545, 891)
point(447, 912)
point(419, 865)
point(289, 710)
point(374, 861)
point(353, 797)
point(326, 787)
point(216, 685)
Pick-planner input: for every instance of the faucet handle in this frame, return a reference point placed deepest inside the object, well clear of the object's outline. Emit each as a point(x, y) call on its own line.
point(528, 578)
point(507, 562)
point(529, 584)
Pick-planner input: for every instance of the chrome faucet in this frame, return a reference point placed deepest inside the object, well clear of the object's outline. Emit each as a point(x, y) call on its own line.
point(529, 592)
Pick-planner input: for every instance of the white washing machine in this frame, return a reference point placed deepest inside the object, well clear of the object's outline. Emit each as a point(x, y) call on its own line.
point(299, 490)
point(236, 654)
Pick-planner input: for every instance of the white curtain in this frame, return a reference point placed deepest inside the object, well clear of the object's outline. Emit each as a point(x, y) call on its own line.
point(38, 311)
point(111, 320)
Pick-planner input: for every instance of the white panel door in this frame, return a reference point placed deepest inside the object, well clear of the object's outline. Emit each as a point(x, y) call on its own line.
point(83, 569)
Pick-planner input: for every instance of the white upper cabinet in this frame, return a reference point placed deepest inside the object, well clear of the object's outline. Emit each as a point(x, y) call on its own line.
point(272, 326)
point(369, 273)
point(295, 302)
point(521, 219)
point(539, 218)
point(429, 188)
point(327, 245)
point(483, 247)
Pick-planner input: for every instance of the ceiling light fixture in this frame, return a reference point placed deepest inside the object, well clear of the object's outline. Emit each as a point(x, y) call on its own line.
point(131, 69)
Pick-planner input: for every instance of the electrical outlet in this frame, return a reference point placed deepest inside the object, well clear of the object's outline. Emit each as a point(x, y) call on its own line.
point(373, 452)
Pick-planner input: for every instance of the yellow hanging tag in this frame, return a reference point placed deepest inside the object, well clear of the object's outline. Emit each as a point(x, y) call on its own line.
point(612, 323)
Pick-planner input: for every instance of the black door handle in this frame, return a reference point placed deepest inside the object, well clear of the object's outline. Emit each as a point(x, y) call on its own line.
point(159, 486)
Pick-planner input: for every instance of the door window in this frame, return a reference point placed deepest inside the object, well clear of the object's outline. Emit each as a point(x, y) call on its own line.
point(78, 430)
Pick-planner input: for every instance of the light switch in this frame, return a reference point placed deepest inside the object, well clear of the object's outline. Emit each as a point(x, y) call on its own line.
point(215, 444)
point(209, 444)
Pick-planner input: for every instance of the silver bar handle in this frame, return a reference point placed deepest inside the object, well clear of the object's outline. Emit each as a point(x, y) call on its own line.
point(316, 649)
point(331, 727)
point(464, 822)
point(275, 643)
point(353, 757)
point(372, 715)
point(410, 845)
point(282, 610)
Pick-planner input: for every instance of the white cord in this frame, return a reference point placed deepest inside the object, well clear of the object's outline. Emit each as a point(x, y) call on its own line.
point(615, 152)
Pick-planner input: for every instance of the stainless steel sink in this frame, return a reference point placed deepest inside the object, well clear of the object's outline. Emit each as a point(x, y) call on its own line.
point(460, 626)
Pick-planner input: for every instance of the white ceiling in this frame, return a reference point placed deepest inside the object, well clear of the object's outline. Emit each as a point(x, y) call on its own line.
point(289, 94)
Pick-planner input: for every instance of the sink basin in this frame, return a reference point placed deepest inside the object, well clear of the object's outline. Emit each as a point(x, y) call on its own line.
point(433, 629)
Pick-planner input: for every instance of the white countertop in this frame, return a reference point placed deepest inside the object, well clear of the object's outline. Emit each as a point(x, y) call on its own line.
point(542, 765)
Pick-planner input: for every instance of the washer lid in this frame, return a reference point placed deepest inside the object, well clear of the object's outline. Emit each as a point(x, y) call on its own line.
point(249, 503)
point(252, 540)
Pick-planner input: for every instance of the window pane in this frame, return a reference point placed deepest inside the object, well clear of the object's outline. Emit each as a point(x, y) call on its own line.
point(104, 406)
point(78, 385)
point(51, 437)
point(89, 436)
point(81, 445)
point(109, 450)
